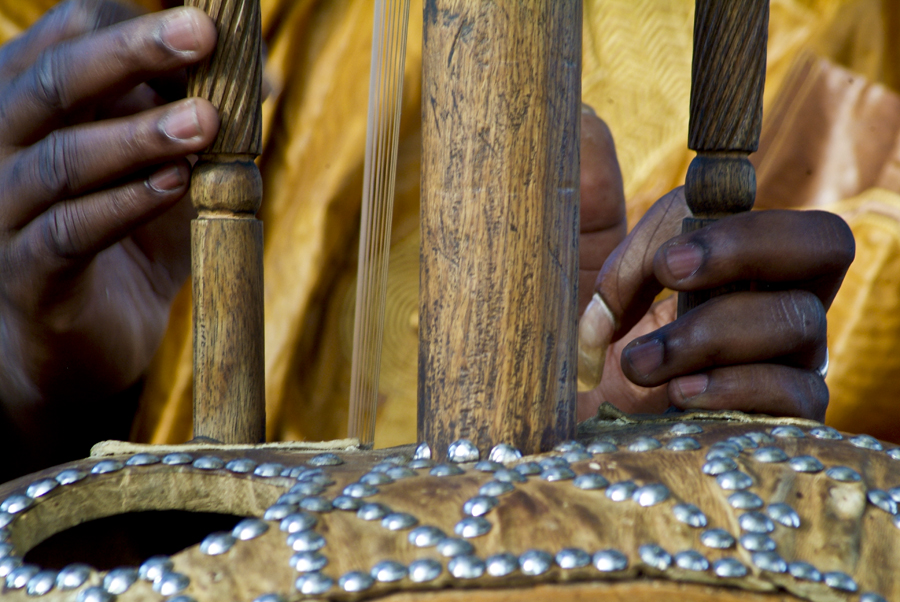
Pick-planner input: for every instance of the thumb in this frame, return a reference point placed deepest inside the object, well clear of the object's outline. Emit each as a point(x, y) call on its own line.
point(626, 286)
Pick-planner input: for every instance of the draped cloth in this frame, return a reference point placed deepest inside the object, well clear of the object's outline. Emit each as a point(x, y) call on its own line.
point(831, 140)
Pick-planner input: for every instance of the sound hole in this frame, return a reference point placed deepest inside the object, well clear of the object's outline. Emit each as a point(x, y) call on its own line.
point(128, 539)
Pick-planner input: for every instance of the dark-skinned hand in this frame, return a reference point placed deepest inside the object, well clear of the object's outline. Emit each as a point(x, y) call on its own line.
point(751, 351)
point(94, 220)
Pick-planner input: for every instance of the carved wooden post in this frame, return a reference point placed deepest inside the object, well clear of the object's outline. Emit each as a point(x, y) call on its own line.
point(499, 218)
point(226, 238)
point(728, 74)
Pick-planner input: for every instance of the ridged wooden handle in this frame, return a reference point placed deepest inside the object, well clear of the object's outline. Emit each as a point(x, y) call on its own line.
point(226, 237)
point(727, 80)
point(499, 217)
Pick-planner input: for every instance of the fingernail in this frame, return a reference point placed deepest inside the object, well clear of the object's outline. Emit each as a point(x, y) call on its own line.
point(646, 357)
point(684, 260)
point(595, 330)
point(691, 386)
point(587, 109)
point(181, 122)
point(167, 179)
point(179, 32)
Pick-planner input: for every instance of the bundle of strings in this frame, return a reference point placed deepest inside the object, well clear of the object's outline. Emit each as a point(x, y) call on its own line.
point(385, 95)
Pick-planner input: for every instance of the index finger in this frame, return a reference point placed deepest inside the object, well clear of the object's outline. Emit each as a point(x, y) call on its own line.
point(114, 59)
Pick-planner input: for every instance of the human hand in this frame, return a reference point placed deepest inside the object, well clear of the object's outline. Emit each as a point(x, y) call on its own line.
point(94, 238)
point(750, 351)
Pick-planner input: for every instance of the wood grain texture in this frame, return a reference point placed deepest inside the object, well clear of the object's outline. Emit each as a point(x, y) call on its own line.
point(226, 238)
point(499, 222)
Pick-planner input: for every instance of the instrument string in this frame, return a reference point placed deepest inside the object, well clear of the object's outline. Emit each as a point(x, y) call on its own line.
point(390, 27)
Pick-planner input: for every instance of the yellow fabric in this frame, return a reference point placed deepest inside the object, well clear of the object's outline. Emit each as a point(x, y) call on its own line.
point(636, 74)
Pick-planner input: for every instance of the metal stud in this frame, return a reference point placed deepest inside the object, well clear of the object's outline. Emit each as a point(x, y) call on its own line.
point(685, 428)
point(654, 556)
point(217, 543)
point(420, 463)
point(729, 568)
point(20, 576)
point(177, 459)
point(241, 465)
point(872, 597)
point(804, 571)
point(290, 499)
point(590, 480)
point(571, 558)
point(535, 562)
point(142, 460)
point(734, 479)
point(16, 503)
point(94, 594)
point(805, 464)
point(6, 549)
point(6, 519)
point(683, 444)
point(501, 565)
point(650, 495)
point(897, 521)
point(770, 455)
point(466, 566)
point(745, 500)
point(722, 452)
point(462, 451)
point(107, 466)
point(8, 565)
point(553, 462)
point(784, 514)
point(576, 456)
point(181, 598)
point(373, 511)
point(119, 580)
point(558, 473)
point(171, 583)
point(769, 561)
point(488, 466)
point(271, 597)
point(756, 522)
point(316, 475)
point(882, 499)
point(375, 478)
point(691, 560)
point(509, 476)
point(308, 562)
point(840, 581)
point(608, 561)
point(298, 521)
point(601, 447)
point(72, 576)
point(621, 491)
point(504, 453)
point(305, 541)
point(279, 511)
point(451, 547)
point(689, 514)
point(382, 467)
point(345, 502)
point(844, 474)
point(41, 488)
point(719, 539)
point(866, 442)
point(326, 459)
point(360, 490)
point(425, 536)
point(743, 442)
point(209, 463)
point(41, 583)
point(788, 431)
point(894, 453)
point(400, 472)
point(307, 488)
point(446, 470)
point(388, 571)
point(527, 469)
point(313, 584)
point(644, 444)
point(479, 505)
point(495, 488)
point(472, 526)
point(825, 432)
point(5, 535)
point(399, 521)
point(249, 528)
point(423, 452)
point(757, 542)
point(730, 446)
point(293, 473)
point(155, 567)
point(316, 503)
point(760, 438)
point(567, 446)
point(424, 570)
point(717, 466)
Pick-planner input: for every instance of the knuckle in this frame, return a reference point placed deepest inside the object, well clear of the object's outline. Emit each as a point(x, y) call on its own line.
point(55, 163)
point(49, 89)
point(60, 231)
point(802, 315)
point(815, 396)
